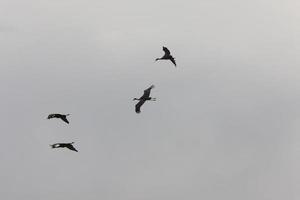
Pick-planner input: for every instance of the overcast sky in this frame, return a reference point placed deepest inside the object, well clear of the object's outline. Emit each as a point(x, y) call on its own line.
point(226, 123)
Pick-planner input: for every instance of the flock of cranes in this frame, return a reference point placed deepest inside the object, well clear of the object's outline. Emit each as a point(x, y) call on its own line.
point(145, 97)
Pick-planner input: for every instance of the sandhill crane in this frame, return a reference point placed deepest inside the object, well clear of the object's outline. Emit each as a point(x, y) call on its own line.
point(167, 56)
point(64, 145)
point(143, 99)
point(60, 116)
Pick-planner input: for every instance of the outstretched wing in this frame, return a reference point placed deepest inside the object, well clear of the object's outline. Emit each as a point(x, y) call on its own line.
point(173, 60)
point(55, 145)
point(139, 105)
point(64, 118)
point(147, 92)
point(71, 147)
point(51, 116)
point(166, 50)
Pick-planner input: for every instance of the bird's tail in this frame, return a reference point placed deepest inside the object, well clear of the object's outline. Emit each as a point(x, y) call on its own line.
point(152, 86)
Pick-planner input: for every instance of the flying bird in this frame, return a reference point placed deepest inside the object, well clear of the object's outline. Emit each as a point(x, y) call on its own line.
point(64, 145)
point(143, 99)
point(167, 56)
point(60, 116)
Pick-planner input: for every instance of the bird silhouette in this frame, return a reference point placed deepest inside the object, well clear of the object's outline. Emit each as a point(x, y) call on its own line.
point(167, 56)
point(60, 116)
point(64, 145)
point(143, 99)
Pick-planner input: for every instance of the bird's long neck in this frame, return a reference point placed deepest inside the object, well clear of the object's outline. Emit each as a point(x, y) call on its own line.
point(157, 59)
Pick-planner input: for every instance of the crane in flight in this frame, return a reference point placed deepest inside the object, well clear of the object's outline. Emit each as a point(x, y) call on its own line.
point(167, 56)
point(60, 116)
point(143, 99)
point(64, 145)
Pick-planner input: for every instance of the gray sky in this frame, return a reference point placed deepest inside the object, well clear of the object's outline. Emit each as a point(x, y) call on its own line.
point(226, 123)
